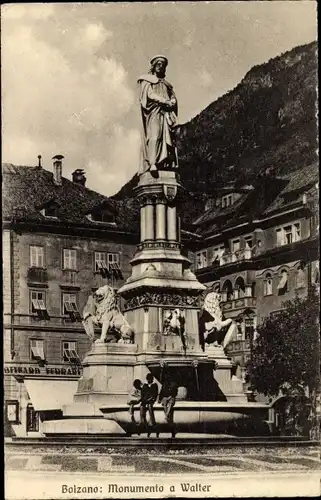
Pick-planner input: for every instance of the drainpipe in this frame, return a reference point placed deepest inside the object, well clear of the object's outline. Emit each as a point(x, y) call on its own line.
point(12, 340)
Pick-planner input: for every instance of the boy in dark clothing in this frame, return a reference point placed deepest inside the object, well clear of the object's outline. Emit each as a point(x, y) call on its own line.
point(167, 398)
point(149, 397)
point(135, 398)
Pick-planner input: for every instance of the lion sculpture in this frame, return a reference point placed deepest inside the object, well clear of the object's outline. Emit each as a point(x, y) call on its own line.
point(102, 309)
point(214, 329)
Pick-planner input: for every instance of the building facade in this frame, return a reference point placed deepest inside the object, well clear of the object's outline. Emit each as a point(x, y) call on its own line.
point(61, 241)
point(260, 248)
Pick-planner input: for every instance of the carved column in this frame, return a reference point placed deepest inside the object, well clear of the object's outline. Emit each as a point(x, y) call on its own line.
point(171, 223)
point(142, 224)
point(160, 220)
point(149, 220)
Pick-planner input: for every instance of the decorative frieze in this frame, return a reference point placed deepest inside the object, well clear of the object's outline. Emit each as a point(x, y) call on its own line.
point(159, 244)
point(162, 298)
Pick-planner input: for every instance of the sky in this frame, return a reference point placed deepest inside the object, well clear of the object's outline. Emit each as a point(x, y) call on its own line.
point(69, 72)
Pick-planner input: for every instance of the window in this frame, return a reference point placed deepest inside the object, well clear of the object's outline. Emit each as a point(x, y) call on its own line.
point(279, 237)
point(50, 211)
point(100, 261)
point(37, 349)
point(288, 234)
point(218, 253)
point(100, 264)
point(288, 237)
point(296, 232)
point(69, 351)
point(113, 258)
point(316, 274)
point(102, 216)
point(12, 413)
point(201, 259)
point(69, 259)
point(32, 419)
point(300, 277)
point(227, 290)
point(283, 283)
point(227, 200)
point(248, 242)
point(108, 265)
point(268, 285)
point(38, 304)
point(239, 291)
point(69, 306)
point(113, 265)
point(37, 258)
point(249, 328)
point(235, 246)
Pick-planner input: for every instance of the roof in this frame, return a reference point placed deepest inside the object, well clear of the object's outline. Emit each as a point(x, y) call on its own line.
point(27, 189)
point(219, 211)
point(298, 181)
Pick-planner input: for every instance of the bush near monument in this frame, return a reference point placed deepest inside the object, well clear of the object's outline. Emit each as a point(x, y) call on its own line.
point(285, 361)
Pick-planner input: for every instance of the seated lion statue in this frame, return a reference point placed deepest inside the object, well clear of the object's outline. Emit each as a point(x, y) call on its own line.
point(102, 309)
point(213, 328)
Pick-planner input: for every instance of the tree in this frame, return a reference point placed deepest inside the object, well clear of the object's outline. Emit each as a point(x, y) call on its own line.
point(285, 358)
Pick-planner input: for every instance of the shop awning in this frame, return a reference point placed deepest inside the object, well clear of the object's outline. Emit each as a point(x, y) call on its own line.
point(50, 394)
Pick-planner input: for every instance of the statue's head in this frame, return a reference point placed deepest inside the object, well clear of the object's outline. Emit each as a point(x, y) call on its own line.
point(212, 301)
point(158, 66)
point(105, 297)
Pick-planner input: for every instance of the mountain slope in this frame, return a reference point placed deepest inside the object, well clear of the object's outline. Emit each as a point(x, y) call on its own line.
point(267, 122)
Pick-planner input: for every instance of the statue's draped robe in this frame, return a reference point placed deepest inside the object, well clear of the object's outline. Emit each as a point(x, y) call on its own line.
point(157, 133)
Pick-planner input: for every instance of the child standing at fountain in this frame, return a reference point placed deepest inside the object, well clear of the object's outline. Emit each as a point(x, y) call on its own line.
point(167, 398)
point(135, 398)
point(149, 397)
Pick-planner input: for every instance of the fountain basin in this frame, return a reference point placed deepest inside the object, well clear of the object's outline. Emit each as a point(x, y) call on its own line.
point(200, 417)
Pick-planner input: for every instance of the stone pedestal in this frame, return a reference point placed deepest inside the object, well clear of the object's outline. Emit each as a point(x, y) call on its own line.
point(161, 280)
point(108, 374)
point(231, 386)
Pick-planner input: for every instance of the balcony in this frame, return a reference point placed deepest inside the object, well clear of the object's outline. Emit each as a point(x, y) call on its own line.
point(239, 303)
point(37, 275)
point(229, 258)
point(238, 346)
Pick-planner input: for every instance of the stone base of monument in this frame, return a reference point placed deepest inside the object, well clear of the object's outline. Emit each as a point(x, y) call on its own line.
point(108, 373)
point(81, 426)
point(109, 369)
point(198, 417)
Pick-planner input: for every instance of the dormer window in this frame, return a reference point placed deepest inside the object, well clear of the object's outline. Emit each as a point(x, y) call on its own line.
point(104, 212)
point(50, 210)
point(227, 200)
point(103, 216)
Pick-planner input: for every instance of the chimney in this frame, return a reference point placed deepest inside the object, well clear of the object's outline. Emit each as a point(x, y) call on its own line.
point(39, 161)
point(57, 169)
point(79, 177)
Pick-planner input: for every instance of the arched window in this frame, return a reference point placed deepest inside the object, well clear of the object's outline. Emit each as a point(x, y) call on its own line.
point(300, 276)
point(283, 282)
point(268, 285)
point(239, 288)
point(216, 288)
point(249, 326)
point(227, 290)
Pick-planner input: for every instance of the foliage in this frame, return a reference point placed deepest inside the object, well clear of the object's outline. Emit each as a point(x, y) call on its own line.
point(286, 354)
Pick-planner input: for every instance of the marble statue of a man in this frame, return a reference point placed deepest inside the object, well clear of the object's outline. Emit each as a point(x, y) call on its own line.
point(159, 117)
